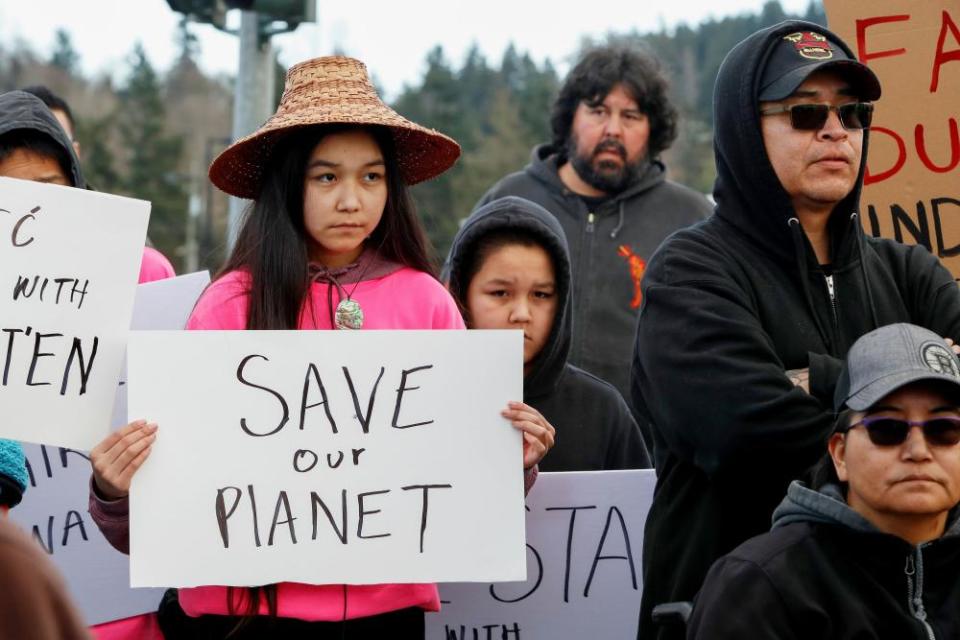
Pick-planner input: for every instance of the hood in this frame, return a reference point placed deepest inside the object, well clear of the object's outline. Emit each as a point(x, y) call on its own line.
point(545, 164)
point(517, 213)
point(747, 191)
point(828, 506)
point(22, 110)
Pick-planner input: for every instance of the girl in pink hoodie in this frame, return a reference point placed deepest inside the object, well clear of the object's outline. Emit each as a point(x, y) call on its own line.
point(331, 241)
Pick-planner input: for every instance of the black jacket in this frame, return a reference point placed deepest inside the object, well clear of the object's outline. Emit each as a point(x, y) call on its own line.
point(608, 248)
point(825, 572)
point(595, 429)
point(730, 305)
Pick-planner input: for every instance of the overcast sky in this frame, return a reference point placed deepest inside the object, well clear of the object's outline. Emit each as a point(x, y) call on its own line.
point(391, 37)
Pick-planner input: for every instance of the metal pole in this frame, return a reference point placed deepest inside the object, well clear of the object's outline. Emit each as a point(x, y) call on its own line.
point(253, 98)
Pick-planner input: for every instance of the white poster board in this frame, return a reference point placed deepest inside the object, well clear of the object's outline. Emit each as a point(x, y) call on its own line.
point(71, 259)
point(584, 544)
point(327, 457)
point(54, 508)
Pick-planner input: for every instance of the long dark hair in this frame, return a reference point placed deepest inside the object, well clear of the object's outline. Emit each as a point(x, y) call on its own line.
point(272, 243)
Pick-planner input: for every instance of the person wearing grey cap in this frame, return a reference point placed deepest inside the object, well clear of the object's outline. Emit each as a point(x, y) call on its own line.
point(748, 315)
point(872, 548)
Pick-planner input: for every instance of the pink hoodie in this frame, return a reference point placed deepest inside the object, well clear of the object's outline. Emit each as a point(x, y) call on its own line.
point(154, 266)
point(404, 299)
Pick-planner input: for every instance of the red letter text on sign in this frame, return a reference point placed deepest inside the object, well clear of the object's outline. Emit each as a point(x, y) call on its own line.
point(944, 56)
point(954, 148)
point(901, 157)
point(862, 26)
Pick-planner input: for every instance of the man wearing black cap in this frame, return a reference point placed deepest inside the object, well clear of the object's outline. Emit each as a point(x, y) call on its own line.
point(747, 315)
point(872, 548)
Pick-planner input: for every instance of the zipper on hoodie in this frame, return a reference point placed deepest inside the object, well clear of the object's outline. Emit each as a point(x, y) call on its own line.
point(590, 219)
point(832, 290)
point(915, 591)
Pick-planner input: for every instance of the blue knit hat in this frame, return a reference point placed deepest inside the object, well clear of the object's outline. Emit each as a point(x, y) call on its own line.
point(13, 473)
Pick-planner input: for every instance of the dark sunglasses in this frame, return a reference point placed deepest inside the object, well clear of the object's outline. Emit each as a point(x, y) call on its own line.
point(812, 117)
point(890, 432)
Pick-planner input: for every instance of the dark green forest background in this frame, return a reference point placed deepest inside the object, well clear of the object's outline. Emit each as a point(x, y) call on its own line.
point(152, 135)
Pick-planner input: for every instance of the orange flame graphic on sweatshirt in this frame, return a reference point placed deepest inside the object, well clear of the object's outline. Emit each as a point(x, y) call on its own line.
point(637, 267)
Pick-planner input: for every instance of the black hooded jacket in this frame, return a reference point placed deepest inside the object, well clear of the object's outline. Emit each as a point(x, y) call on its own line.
point(730, 305)
point(595, 429)
point(22, 110)
point(826, 572)
point(609, 245)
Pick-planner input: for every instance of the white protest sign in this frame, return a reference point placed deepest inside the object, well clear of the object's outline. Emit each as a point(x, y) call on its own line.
point(584, 544)
point(327, 457)
point(71, 259)
point(54, 507)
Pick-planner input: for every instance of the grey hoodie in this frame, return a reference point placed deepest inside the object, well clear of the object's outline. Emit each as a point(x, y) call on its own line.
point(825, 571)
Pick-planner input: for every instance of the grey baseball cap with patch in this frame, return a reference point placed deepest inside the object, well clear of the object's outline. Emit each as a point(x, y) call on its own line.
point(891, 357)
point(799, 54)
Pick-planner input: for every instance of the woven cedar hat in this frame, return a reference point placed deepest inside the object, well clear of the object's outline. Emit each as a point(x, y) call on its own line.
point(330, 90)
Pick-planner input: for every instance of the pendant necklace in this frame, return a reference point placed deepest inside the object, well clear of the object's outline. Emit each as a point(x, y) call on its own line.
point(349, 315)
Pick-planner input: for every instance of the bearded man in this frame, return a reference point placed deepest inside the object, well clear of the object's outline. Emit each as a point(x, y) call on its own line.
point(603, 179)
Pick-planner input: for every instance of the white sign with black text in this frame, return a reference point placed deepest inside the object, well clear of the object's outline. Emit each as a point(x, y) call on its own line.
point(71, 259)
point(327, 457)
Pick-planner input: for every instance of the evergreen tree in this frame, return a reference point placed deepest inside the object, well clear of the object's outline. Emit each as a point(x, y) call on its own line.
point(436, 104)
point(151, 157)
point(64, 55)
point(98, 167)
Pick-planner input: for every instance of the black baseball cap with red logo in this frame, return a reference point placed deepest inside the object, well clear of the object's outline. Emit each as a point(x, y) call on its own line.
point(799, 54)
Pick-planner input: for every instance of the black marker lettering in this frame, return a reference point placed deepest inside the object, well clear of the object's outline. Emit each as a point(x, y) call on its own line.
point(73, 520)
point(85, 367)
point(283, 403)
point(303, 453)
point(425, 504)
point(37, 355)
point(364, 419)
point(400, 391)
point(566, 571)
point(253, 508)
point(223, 514)
point(597, 557)
point(364, 513)
point(20, 289)
point(282, 500)
point(536, 585)
point(48, 545)
point(330, 462)
point(317, 501)
point(6, 365)
point(312, 370)
point(14, 237)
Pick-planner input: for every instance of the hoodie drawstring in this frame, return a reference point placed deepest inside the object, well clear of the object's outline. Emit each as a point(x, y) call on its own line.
point(616, 229)
point(863, 269)
point(796, 233)
point(320, 273)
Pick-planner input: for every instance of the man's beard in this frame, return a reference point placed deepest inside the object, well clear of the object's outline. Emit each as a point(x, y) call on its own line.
point(609, 177)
